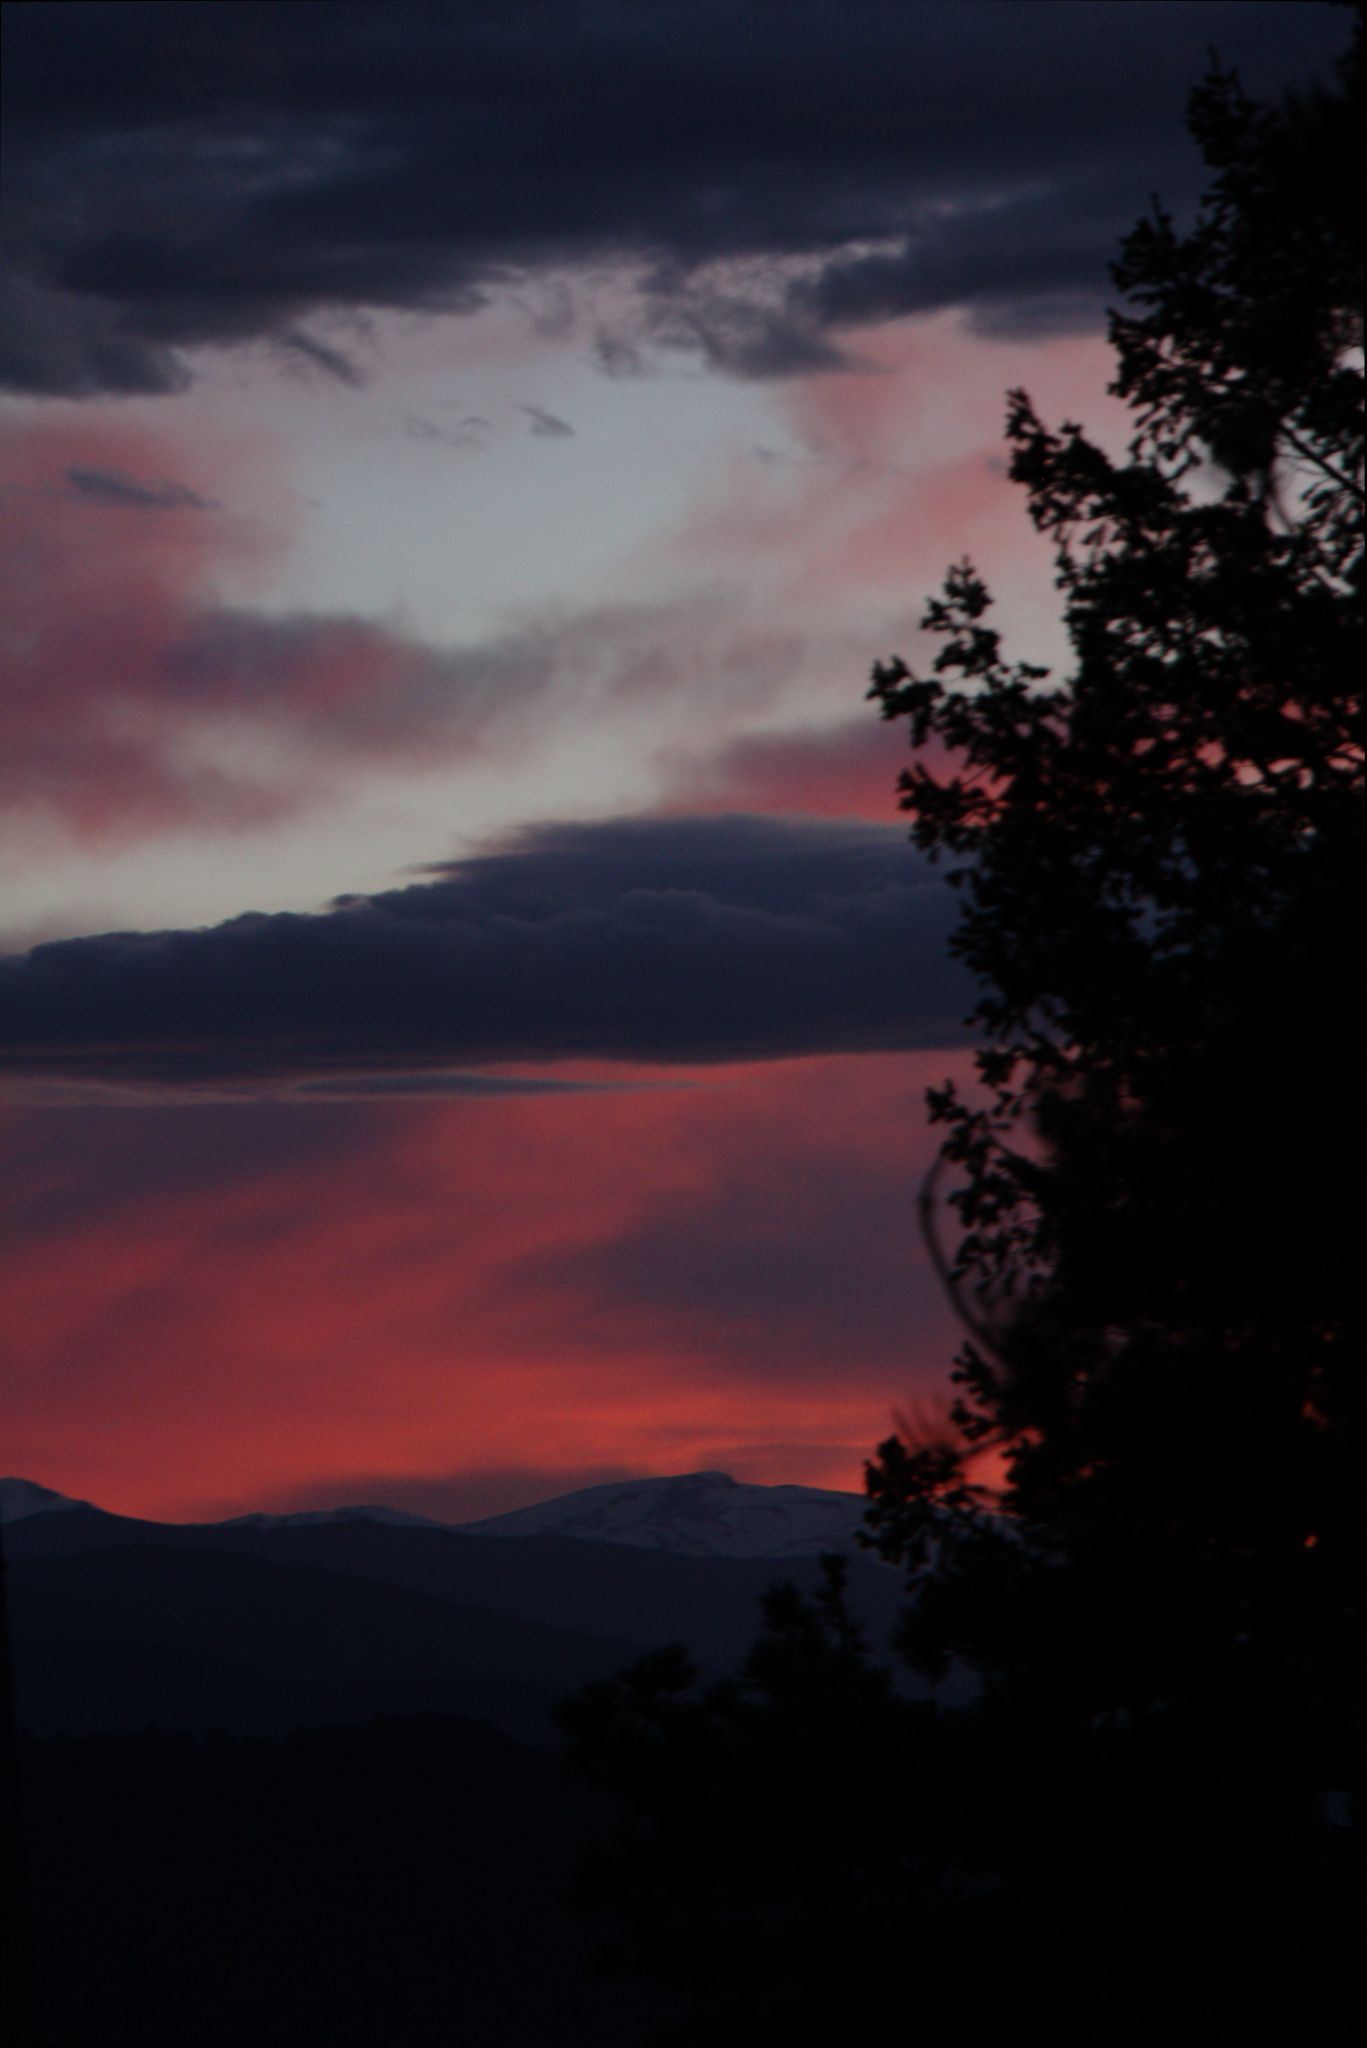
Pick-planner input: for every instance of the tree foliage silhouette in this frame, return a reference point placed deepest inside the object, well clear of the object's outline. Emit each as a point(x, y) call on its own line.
point(737, 1876)
point(1158, 1200)
point(1160, 863)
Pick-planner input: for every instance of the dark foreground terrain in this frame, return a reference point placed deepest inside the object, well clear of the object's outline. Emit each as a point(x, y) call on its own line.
point(302, 1787)
point(401, 1882)
point(412, 1881)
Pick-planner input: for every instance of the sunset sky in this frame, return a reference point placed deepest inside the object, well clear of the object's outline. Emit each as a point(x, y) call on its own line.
point(468, 997)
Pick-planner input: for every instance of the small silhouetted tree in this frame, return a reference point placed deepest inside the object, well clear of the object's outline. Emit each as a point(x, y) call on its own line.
point(1158, 1179)
point(743, 1872)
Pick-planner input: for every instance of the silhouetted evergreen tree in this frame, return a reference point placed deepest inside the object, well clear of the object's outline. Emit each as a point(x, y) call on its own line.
point(1157, 1185)
point(743, 1873)
point(1161, 867)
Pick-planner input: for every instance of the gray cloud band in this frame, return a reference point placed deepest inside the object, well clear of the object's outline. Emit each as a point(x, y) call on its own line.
point(650, 940)
point(179, 176)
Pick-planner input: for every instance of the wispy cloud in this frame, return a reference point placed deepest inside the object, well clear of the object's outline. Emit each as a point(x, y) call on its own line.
point(548, 425)
point(308, 352)
point(116, 487)
point(136, 704)
point(472, 432)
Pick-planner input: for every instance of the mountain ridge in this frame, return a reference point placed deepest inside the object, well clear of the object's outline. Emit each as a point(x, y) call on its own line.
point(690, 1514)
point(120, 1624)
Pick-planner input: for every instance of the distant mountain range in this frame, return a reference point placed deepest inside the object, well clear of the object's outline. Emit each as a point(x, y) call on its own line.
point(267, 1624)
point(693, 1514)
point(20, 1498)
point(312, 1518)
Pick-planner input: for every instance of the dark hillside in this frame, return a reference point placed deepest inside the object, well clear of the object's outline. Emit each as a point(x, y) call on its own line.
point(399, 1883)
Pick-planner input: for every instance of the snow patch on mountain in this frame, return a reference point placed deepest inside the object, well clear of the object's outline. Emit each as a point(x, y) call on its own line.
point(692, 1514)
point(695, 1514)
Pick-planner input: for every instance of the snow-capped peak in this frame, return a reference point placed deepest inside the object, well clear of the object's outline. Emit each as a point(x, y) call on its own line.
point(696, 1514)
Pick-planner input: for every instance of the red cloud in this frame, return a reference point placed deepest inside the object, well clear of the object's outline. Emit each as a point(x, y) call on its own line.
point(111, 535)
point(936, 384)
point(215, 1305)
point(885, 476)
point(841, 771)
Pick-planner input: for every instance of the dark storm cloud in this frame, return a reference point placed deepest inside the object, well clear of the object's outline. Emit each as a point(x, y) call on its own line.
point(1018, 265)
point(736, 336)
point(657, 940)
point(181, 175)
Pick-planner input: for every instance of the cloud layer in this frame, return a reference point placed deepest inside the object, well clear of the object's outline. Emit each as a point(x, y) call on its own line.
point(651, 939)
point(177, 176)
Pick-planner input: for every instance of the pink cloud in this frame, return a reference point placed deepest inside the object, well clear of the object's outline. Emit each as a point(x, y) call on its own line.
point(137, 703)
point(112, 534)
point(211, 1306)
point(887, 476)
point(840, 771)
point(936, 385)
